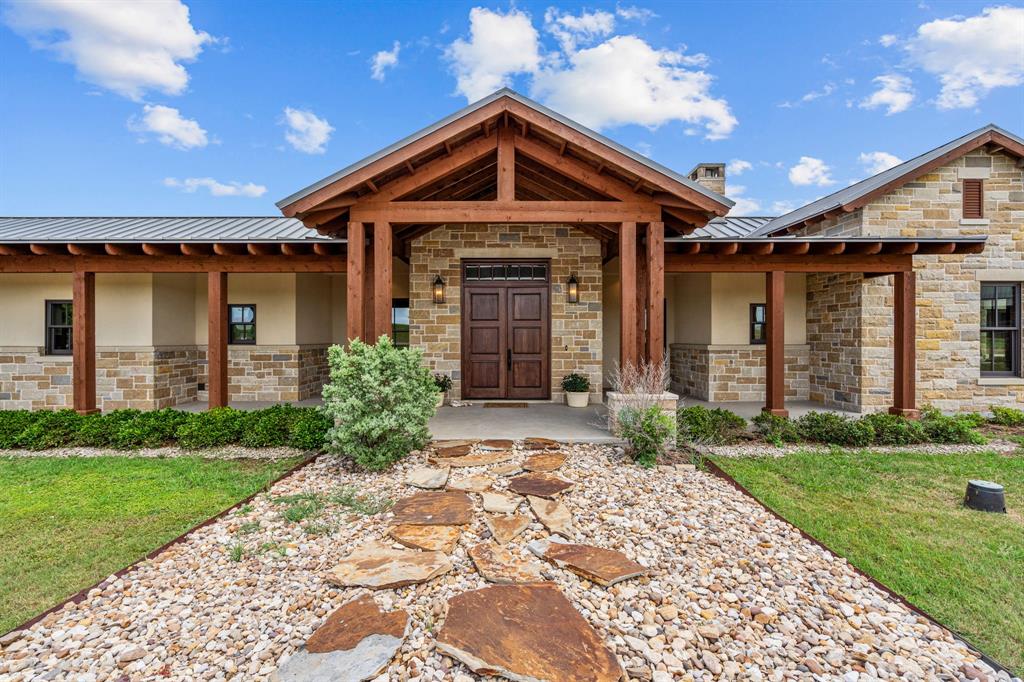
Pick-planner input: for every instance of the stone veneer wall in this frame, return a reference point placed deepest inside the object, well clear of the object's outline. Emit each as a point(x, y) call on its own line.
point(734, 373)
point(30, 380)
point(575, 328)
point(271, 373)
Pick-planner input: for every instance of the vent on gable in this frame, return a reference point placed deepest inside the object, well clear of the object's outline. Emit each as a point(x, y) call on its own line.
point(973, 195)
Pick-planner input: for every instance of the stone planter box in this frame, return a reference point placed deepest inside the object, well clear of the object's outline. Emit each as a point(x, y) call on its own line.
point(616, 401)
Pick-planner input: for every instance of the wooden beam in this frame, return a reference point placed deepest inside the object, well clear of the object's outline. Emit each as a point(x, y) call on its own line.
point(641, 297)
point(49, 249)
point(505, 212)
point(905, 345)
point(689, 216)
point(196, 249)
point(217, 339)
point(356, 252)
point(437, 169)
point(368, 287)
point(676, 262)
point(576, 169)
point(198, 264)
point(263, 249)
point(382, 254)
point(123, 249)
point(342, 201)
point(775, 347)
point(792, 249)
point(627, 279)
point(655, 292)
point(162, 249)
point(229, 249)
point(83, 342)
point(506, 165)
point(14, 250)
point(86, 249)
point(315, 219)
point(296, 249)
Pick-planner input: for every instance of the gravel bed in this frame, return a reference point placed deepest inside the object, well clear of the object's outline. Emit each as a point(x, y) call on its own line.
point(1001, 447)
point(227, 452)
point(733, 592)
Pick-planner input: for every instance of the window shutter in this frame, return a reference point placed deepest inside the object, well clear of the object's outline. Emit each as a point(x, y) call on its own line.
point(972, 198)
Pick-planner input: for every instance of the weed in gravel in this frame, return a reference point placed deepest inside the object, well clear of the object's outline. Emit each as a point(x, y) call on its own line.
point(237, 552)
point(248, 527)
point(368, 505)
point(272, 547)
point(317, 528)
point(301, 506)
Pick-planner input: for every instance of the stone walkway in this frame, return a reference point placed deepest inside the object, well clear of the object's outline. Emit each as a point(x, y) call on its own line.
point(654, 575)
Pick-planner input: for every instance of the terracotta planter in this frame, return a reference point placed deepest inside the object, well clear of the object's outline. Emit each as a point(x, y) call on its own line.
point(577, 399)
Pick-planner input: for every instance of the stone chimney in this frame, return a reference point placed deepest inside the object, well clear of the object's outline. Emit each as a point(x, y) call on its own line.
point(711, 175)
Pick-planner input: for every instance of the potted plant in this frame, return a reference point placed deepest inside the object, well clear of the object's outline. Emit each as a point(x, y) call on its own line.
point(577, 389)
point(444, 384)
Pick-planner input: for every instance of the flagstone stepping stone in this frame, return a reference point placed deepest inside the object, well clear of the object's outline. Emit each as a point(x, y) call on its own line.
point(472, 484)
point(496, 444)
point(602, 566)
point(356, 643)
point(546, 462)
point(430, 538)
point(477, 460)
point(541, 444)
point(554, 515)
point(539, 485)
point(506, 469)
point(496, 564)
point(427, 477)
point(455, 450)
point(525, 632)
point(501, 503)
point(378, 566)
point(505, 528)
point(434, 509)
point(454, 443)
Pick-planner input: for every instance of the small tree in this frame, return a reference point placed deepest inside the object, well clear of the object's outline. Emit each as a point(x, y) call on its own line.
point(381, 399)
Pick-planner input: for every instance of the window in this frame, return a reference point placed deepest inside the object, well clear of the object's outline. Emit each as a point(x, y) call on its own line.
point(242, 324)
point(973, 198)
point(758, 326)
point(1000, 329)
point(400, 322)
point(58, 327)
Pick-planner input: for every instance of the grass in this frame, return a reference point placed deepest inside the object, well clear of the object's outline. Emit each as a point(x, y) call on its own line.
point(900, 519)
point(67, 523)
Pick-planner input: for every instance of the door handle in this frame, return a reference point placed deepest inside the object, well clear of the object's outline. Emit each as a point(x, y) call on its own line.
point(508, 358)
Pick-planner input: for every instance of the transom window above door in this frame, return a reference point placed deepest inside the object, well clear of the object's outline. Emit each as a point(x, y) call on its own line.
point(506, 272)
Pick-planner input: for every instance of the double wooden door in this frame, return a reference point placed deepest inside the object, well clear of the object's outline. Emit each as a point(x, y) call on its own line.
point(506, 330)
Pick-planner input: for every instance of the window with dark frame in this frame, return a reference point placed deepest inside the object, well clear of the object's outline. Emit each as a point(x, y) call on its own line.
point(58, 327)
point(973, 198)
point(400, 322)
point(1000, 329)
point(242, 324)
point(758, 325)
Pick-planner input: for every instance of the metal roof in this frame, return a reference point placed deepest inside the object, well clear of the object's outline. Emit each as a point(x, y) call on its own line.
point(525, 101)
point(728, 227)
point(859, 189)
point(140, 229)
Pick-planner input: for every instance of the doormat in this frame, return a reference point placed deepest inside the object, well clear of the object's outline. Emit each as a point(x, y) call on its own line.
point(504, 404)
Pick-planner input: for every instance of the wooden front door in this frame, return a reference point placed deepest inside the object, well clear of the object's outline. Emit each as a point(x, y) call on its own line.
point(506, 330)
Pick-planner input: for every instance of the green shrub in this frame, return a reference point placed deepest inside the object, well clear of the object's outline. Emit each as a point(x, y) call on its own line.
point(894, 429)
point(309, 430)
point(443, 382)
point(211, 429)
point(382, 398)
point(51, 430)
point(12, 424)
point(698, 424)
point(939, 428)
point(270, 427)
point(647, 431)
point(975, 419)
point(1004, 416)
point(576, 383)
point(775, 429)
point(834, 429)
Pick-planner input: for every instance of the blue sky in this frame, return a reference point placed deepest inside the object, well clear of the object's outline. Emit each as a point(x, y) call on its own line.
point(222, 108)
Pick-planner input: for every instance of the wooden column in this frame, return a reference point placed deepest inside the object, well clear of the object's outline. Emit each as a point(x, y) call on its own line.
point(382, 245)
point(506, 165)
point(641, 298)
point(217, 339)
point(775, 347)
point(83, 342)
point(905, 345)
point(354, 278)
point(627, 278)
point(655, 292)
point(368, 263)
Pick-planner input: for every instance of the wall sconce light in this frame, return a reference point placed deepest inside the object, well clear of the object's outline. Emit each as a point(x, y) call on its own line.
point(438, 289)
point(573, 289)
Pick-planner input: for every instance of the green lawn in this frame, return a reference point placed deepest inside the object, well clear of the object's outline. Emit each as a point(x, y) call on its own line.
point(67, 523)
point(899, 518)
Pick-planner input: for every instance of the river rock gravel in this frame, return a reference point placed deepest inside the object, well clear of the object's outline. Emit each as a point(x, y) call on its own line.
point(730, 591)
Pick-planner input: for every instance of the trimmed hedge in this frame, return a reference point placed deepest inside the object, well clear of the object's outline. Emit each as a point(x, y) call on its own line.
point(281, 425)
point(872, 429)
point(698, 424)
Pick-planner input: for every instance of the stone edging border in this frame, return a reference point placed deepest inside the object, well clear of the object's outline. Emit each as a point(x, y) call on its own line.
point(719, 472)
point(80, 596)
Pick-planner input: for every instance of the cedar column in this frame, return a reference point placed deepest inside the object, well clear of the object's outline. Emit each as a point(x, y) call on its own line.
point(655, 292)
point(83, 342)
point(641, 298)
point(506, 165)
point(627, 278)
point(775, 348)
point(368, 263)
point(382, 244)
point(354, 281)
point(217, 339)
point(905, 345)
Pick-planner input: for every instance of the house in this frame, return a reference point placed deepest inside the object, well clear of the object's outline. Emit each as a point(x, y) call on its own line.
point(513, 246)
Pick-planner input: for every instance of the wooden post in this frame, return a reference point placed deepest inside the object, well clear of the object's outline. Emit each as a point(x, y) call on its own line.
point(905, 345)
point(217, 339)
point(368, 264)
point(83, 342)
point(382, 245)
point(655, 292)
point(641, 298)
point(506, 164)
point(775, 348)
point(354, 279)
point(627, 278)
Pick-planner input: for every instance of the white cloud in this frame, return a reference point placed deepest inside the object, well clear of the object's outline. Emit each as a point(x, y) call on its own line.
point(971, 56)
point(782, 207)
point(126, 47)
point(170, 127)
point(634, 13)
point(744, 205)
point(499, 46)
point(307, 132)
point(811, 171)
point(825, 91)
point(876, 162)
point(384, 60)
point(737, 167)
point(888, 40)
point(571, 30)
point(216, 189)
point(895, 93)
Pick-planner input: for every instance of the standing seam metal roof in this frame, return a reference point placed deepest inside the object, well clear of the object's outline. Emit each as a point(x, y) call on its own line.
point(153, 229)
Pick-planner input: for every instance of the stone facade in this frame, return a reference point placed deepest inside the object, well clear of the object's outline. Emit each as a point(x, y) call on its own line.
point(30, 380)
point(271, 373)
point(575, 328)
point(734, 373)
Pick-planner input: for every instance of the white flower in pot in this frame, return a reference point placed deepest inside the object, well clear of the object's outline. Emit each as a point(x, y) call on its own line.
point(577, 389)
point(444, 384)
